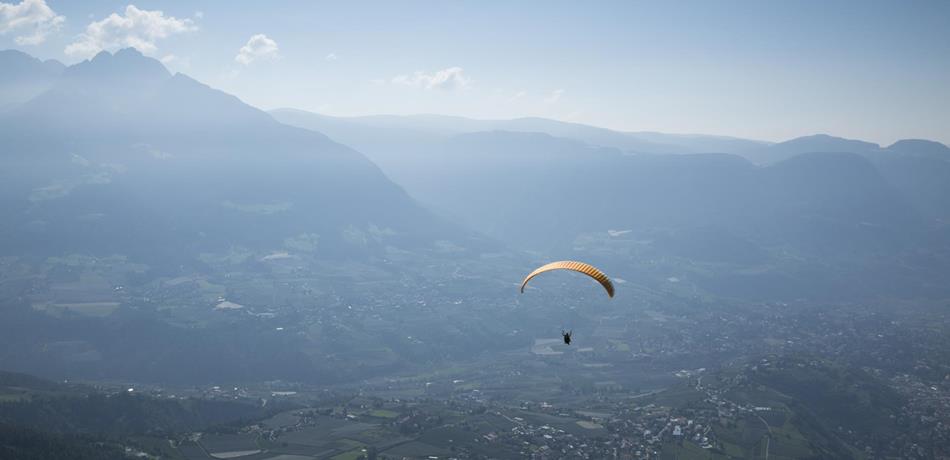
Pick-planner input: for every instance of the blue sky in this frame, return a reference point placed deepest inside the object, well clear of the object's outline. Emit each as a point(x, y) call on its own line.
point(770, 70)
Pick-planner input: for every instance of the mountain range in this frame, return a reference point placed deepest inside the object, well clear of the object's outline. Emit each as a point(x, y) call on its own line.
point(198, 201)
point(415, 150)
point(117, 155)
point(772, 211)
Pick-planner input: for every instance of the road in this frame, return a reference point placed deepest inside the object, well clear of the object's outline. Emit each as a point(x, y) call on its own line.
point(768, 435)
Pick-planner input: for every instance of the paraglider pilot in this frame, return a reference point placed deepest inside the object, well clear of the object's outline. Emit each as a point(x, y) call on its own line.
point(567, 336)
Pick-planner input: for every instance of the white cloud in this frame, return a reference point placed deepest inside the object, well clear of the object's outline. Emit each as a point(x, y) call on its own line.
point(554, 97)
point(139, 29)
point(447, 79)
point(199, 14)
point(331, 57)
point(258, 47)
point(32, 19)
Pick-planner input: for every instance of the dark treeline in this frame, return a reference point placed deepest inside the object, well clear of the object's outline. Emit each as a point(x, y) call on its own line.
point(17, 442)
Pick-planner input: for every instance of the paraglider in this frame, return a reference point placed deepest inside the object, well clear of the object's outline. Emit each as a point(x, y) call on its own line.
point(579, 267)
point(571, 265)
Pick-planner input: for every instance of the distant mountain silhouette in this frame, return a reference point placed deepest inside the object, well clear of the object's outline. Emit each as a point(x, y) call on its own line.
point(921, 147)
point(22, 77)
point(835, 202)
point(542, 190)
point(18, 65)
point(120, 156)
point(130, 93)
point(920, 169)
point(126, 65)
point(421, 128)
point(811, 144)
point(819, 193)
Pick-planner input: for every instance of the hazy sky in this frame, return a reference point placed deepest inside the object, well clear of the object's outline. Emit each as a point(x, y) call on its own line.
point(770, 70)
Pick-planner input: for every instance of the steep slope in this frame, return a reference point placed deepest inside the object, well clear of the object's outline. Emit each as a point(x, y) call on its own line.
point(119, 156)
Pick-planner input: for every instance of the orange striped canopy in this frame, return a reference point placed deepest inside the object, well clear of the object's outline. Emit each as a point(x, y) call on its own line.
point(579, 267)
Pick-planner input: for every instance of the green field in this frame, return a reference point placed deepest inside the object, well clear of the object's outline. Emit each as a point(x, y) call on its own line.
point(589, 425)
point(689, 451)
point(352, 449)
point(98, 309)
point(215, 443)
point(14, 397)
point(788, 442)
point(349, 455)
point(310, 437)
point(415, 449)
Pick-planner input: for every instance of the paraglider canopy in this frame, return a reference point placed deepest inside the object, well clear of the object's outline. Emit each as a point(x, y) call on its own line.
point(571, 265)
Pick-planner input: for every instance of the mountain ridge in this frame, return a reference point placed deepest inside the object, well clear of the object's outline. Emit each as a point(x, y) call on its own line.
point(23, 76)
point(122, 121)
point(443, 125)
point(428, 128)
